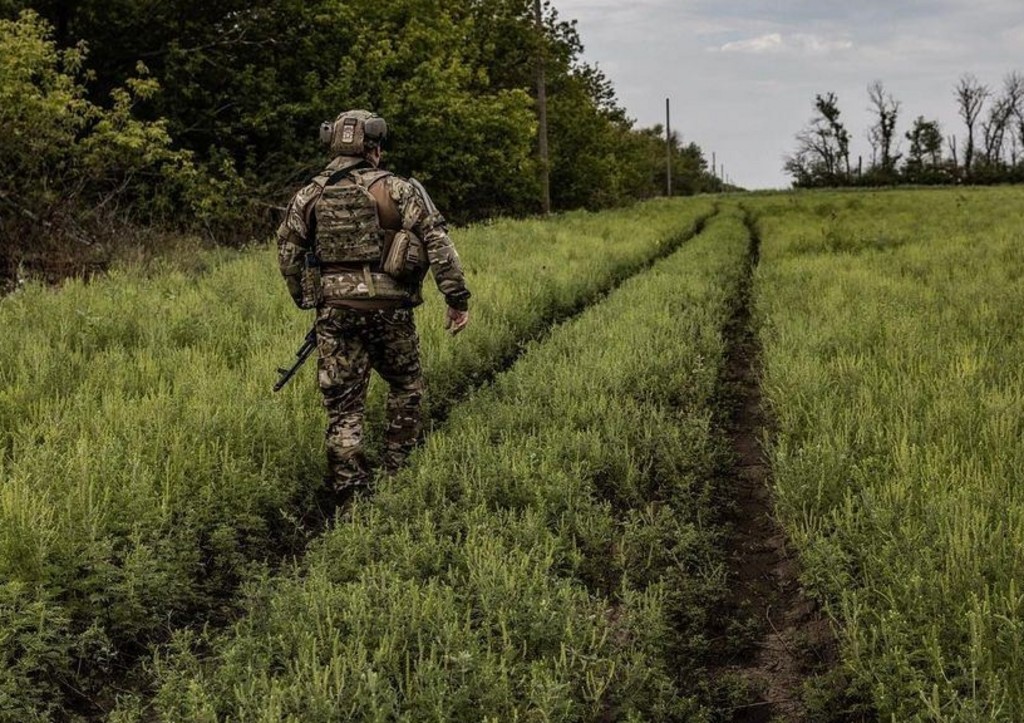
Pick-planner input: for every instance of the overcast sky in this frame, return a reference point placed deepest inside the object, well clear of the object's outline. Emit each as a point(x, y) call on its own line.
point(742, 74)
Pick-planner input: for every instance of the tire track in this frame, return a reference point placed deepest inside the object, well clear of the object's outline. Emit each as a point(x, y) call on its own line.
point(775, 638)
point(317, 517)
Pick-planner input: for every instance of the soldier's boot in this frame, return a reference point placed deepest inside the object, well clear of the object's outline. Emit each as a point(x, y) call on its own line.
point(404, 423)
point(341, 500)
point(348, 471)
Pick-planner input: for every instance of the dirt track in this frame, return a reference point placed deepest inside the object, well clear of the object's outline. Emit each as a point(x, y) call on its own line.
point(790, 640)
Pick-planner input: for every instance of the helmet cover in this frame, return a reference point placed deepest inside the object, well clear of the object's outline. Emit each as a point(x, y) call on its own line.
point(354, 133)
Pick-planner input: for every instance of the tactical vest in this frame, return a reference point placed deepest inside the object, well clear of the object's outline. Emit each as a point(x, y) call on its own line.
point(353, 223)
point(347, 225)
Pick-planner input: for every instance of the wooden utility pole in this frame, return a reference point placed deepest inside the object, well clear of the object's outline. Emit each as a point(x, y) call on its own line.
point(668, 149)
point(714, 164)
point(542, 114)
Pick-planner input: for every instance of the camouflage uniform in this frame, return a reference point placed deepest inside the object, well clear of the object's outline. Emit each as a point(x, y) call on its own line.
point(365, 320)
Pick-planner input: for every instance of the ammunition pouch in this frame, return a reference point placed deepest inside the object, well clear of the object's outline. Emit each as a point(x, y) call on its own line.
point(405, 258)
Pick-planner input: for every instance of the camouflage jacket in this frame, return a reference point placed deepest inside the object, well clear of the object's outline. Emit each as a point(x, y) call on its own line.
point(341, 288)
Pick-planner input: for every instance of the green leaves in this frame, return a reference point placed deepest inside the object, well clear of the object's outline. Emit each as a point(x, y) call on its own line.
point(892, 366)
point(244, 87)
point(71, 166)
point(146, 463)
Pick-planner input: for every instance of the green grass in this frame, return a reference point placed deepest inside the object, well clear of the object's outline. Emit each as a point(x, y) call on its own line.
point(145, 463)
point(548, 555)
point(552, 552)
point(894, 366)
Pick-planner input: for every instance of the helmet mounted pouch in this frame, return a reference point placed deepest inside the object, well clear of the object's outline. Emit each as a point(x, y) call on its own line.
point(347, 136)
point(348, 130)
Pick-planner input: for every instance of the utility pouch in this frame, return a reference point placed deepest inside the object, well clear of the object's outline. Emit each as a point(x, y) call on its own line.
point(406, 258)
point(312, 287)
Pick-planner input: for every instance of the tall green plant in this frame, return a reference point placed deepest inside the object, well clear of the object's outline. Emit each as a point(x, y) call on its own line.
point(74, 171)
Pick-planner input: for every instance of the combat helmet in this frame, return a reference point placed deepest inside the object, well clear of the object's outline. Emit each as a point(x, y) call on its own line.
point(354, 133)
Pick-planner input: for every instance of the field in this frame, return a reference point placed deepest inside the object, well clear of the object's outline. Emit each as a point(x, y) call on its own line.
point(894, 367)
point(653, 410)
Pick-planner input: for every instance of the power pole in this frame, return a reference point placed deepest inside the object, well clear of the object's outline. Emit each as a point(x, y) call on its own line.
point(668, 150)
point(542, 114)
point(714, 164)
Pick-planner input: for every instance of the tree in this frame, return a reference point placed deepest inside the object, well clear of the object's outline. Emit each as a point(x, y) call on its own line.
point(925, 157)
point(971, 96)
point(245, 85)
point(882, 133)
point(822, 157)
point(1001, 114)
point(75, 172)
point(1018, 116)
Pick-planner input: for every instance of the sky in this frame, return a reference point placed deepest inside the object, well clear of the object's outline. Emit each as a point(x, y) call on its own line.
point(742, 74)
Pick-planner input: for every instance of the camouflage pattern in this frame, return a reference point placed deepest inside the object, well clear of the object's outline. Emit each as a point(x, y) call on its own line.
point(364, 316)
point(347, 229)
point(355, 132)
point(351, 343)
point(354, 285)
point(293, 239)
point(430, 227)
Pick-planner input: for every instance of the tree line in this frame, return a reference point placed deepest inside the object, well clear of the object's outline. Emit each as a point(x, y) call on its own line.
point(205, 115)
point(989, 150)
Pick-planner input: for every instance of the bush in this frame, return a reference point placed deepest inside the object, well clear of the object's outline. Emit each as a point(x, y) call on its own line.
point(76, 174)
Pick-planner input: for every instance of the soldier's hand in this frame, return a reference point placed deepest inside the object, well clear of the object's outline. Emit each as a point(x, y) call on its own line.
point(455, 320)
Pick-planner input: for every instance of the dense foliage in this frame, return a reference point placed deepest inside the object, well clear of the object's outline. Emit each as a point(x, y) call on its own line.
point(549, 554)
point(72, 166)
point(232, 93)
point(145, 465)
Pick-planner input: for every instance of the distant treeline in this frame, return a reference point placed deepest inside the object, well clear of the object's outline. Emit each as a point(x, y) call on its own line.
point(989, 150)
point(206, 114)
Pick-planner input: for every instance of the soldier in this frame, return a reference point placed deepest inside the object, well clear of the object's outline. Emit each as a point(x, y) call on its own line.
point(355, 245)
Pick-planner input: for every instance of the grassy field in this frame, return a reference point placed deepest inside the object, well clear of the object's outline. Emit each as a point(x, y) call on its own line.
point(894, 366)
point(146, 464)
point(555, 550)
point(548, 555)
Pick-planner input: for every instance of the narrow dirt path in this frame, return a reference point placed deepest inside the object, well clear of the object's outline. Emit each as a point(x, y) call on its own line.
point(786, 638)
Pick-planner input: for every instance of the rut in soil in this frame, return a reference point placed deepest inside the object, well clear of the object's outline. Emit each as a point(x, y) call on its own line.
point(776, 638)
point(315, 517)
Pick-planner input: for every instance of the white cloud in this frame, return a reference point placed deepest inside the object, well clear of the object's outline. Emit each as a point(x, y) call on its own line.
point(800, 43)
point(772, 42)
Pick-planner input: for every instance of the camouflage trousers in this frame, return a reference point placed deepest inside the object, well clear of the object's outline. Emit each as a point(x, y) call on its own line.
point(350, 343)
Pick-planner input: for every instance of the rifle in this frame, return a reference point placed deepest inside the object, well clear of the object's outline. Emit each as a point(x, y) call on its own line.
point(307, 348)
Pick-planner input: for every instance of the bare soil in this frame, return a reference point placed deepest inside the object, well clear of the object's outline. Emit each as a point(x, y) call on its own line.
point(787, 638)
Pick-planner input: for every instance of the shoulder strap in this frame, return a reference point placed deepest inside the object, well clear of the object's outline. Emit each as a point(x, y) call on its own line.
point(387, 210)
point(338, 176)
